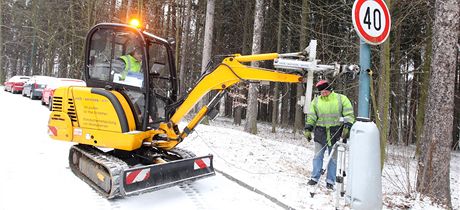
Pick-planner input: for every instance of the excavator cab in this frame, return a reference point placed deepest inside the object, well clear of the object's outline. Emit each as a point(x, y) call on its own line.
point(148, 81)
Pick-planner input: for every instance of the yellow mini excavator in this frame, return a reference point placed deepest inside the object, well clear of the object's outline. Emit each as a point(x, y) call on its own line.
point(125, 123)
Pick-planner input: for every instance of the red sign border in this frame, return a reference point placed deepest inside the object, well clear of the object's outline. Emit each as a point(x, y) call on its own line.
point(375, 40)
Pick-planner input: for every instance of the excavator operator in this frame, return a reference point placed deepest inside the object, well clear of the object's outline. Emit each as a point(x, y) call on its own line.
point(132, 62)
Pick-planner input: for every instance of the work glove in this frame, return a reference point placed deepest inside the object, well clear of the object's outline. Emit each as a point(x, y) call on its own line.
point(307, 135)
point(345, 133)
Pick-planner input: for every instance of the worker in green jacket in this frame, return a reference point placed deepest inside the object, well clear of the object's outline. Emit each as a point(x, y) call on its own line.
point(132, 61)
point(323, 118)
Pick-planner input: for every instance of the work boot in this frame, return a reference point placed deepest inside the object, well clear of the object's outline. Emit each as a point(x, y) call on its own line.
point(312, 182)
point(329, 186)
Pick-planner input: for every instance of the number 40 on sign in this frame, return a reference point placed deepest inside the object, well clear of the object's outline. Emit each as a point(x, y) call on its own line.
point(371, 20)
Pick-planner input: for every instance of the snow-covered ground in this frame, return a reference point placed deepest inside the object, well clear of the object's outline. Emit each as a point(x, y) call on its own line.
point(280, 164)
point(34, 172)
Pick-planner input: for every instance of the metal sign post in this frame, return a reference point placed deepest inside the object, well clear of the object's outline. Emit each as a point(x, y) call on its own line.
point(365, 64)
point(372, 22)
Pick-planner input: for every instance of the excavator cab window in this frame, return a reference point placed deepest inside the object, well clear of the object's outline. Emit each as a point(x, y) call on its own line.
point(160, 85)
point(115, 57)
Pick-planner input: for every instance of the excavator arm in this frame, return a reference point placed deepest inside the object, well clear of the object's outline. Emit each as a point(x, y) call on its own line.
point(230, 72)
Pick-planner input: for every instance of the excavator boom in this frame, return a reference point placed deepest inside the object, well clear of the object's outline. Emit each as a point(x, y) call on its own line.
point(230, 72)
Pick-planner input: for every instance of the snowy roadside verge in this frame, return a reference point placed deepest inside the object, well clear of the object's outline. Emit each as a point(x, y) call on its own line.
point(278, 169)
point(280, 166)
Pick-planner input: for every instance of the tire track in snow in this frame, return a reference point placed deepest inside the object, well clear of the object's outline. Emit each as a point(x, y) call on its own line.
point(193, 194)
point(253, 189)
point(102, 202)
point(114, 205)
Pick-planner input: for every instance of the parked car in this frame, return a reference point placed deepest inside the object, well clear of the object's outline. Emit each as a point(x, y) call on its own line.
point(15, 84)
point(48, 92)
point(33, 88)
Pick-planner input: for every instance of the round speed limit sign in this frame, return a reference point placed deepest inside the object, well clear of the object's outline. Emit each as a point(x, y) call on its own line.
point(371, 20)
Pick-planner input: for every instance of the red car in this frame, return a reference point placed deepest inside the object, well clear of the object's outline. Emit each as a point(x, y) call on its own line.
point(16, 84)
point(48, 92)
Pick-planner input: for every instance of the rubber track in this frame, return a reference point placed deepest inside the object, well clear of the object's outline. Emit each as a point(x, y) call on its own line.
point(114, 166)
point(183, 153)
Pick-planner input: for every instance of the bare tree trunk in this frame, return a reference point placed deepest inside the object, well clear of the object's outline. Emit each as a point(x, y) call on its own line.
point(286, 87)
point(196, 44)
point(178, 31)
point(207, 43)
point(50, 61)
point(425, 79)
point(140, 6)
point(405, 108)
point(237, 113)
point(2, 71)
point(208, 32)
point(112, 10)
point(251, 114)
point(64, 56)
point(168, 26)
point(184, 46)
point(32, 68)
point(382, 117)
point(22, 65)
point(395, 77)
point(14, 66)
point(456, 132)
point(415, 94)
point(292, 103)
point(299, 116)
point(73, 69)
point(433, 178)
point(239, 92)
point(128, 10)
point(276, 90)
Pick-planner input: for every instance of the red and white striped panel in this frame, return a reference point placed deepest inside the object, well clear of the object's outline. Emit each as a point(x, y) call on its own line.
point(137, 175)
point(202, 163)
point(52, 131)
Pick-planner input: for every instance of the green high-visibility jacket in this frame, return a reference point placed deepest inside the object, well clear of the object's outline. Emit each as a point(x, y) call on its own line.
point(325, 112)
point(131, 65)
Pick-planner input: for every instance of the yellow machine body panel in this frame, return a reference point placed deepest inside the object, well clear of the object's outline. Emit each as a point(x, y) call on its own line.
point(124, 141)
point(128, 112)
point(94, 111)
point(96, 117)
point(60, 126)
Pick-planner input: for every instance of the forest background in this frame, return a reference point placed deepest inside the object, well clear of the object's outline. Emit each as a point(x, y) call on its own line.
point(416, 72)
